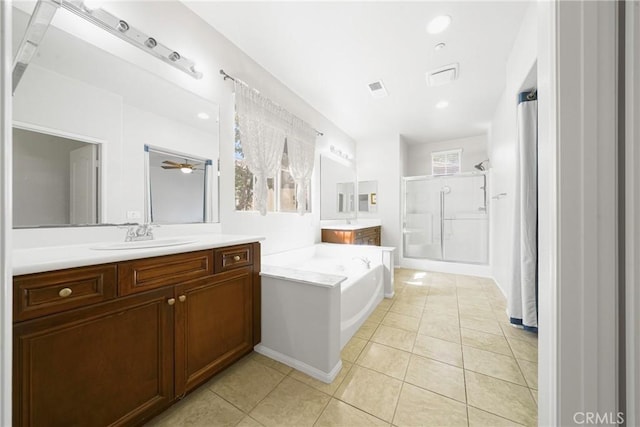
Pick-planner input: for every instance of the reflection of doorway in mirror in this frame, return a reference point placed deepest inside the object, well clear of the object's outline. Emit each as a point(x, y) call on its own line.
point(363, 203)
point(56, 178)
point(346, 197)
point(83, 184)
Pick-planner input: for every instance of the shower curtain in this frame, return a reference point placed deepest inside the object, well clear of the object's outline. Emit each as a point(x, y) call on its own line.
point(523, 298)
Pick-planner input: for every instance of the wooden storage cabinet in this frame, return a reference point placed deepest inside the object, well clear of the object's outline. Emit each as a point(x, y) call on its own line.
point(95, 366)
point(122, 358)
point(214, 326)
point(362, 236)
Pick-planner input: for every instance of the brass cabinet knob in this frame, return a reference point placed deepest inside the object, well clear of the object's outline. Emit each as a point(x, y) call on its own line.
point(182, 298)
point(236, 258)
point(171, 301)
point(65, 292)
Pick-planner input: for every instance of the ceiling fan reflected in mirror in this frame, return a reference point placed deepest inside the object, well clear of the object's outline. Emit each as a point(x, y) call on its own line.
point(185, 167)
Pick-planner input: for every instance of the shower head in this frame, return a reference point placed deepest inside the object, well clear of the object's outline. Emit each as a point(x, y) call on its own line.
point(480, 166)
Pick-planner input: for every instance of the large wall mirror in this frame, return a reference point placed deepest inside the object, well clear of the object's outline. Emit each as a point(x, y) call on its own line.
point(82, 117)
point(338, 188)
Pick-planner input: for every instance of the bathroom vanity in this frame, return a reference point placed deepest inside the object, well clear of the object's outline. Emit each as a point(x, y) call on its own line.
point(118, 341)
point(352, 234)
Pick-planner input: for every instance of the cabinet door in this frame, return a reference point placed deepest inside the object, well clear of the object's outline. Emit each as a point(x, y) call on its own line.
point(213, 326)
point(103, 365)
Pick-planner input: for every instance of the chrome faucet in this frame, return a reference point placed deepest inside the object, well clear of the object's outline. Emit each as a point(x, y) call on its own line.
point(367, 261)
point(139, 232)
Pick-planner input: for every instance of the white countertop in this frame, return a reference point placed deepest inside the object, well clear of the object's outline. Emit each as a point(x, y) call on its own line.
point(348, 227)
point(36, 260)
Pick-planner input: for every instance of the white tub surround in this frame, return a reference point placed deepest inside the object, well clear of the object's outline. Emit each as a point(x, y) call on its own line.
point(334, 259)
point(315, 298)
point(301, 324)
point(48, 258)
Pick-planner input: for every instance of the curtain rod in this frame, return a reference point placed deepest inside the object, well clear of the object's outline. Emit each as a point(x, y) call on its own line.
point(227, 76)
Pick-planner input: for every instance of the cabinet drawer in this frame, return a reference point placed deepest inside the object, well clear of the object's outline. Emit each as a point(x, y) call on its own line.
point(233, 257)
point(52, 292)
point(151, 273)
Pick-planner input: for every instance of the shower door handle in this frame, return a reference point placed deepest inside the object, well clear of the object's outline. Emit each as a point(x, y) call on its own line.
point(442, 193)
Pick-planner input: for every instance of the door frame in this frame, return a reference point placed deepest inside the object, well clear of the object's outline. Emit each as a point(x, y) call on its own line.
point(632, 212)
point(579, 207)
point(6, 220)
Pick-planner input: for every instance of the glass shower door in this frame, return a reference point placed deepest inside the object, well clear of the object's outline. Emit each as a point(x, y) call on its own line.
point(422, 218)
point(465, 219)
point(446, 218)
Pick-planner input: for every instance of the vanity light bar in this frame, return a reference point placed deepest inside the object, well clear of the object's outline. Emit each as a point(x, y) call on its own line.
point(36, 29)
point(339, 152)
point(123, 30)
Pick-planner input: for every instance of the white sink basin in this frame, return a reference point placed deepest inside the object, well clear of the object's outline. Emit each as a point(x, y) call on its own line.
point(145, 244)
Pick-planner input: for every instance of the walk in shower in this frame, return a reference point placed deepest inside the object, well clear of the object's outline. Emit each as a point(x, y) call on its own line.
point(446, 218)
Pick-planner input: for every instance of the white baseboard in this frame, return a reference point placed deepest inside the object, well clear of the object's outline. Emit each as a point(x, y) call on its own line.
point(325, 377)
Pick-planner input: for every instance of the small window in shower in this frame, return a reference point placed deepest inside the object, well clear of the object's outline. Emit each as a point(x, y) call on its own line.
point(446, 162)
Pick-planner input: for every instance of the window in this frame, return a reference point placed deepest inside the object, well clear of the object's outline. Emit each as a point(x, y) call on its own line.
point(446, 162)
point(281, 196)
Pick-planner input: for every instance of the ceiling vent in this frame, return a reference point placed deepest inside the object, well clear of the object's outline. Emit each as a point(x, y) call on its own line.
point(443, 75)
point(377, 89)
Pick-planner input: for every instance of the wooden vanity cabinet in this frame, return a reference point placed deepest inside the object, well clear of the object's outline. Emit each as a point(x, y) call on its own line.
point(95, 366)
point(176, 321)
point(362, 236)
point(213, 326)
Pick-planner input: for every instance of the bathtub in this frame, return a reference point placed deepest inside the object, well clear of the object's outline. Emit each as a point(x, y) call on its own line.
point(314, 299)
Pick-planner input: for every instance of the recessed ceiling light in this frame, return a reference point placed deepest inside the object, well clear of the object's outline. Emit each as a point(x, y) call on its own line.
point(438, 24)
point(203, 116)
point(442, 104)
point(439, 46)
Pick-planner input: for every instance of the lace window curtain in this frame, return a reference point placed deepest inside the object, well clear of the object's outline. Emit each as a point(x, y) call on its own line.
point(263, 127)
point(301, 143)
point(262, 136)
